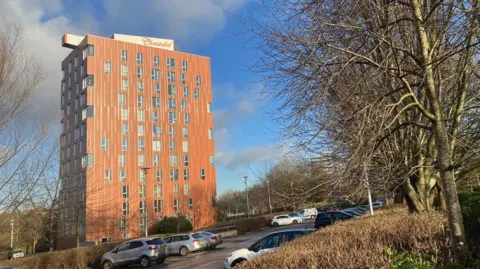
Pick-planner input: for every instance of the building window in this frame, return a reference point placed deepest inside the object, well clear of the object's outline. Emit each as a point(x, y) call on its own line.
point(210, 133)
point(82, 130)
point(209, 107)
point(156, 130)
point(141, 175)
point(172, 103)
point(121, 99)
point(199, 80)
point(77, 133)
point(185, 160)
point(123, 55)
point(141, 160)
point(172, 90)
point(157, 87)
point(122, 175)
point(184, 66)
point(139, 58)
point(184, 132)
point(141, 115)
point(126, 208)
point(155, 160)
point(158, 175)
point(183, 78)
point(88, 81)
point(186, 118)
point(140, 85)
point(88, 51)
point(171, 131)
point(124, 129)
point(176, 189)
point(202, 174)
point(141, 130)
point(125, 192)
point(108, 176)
point(104, 143)
point(171, 145)
point(156, 102)
point(142, 207)
point(155, 116)
point(124, 84)
point(156, 60)
point(196, 93)
point(140, 100)
point(141, 144)
point(212, 160)
point(190, 203)
point(185, 92)
point(185, 146)
point(155, 74)
point(184, 105)
point(157, 190)
point(139, 72)
point(170, 76)
point(170, 63)
point(176, 204)
point(173, 160)
point(82, 70)
point(157, 145)
point(124, 113)
point(108, 67)
point(141, 191)
point(186, 174)
point(124, 70)
point(121, 159)
point(173, 174)
point(158, 206)
point(172, 117)
point(125, 144)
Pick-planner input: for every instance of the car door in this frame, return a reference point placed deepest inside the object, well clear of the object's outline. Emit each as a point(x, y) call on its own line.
point(270, 243)
point(177, 243)
point(283, 220)
point(120, 254)
point(168, 247)
point(134, 251)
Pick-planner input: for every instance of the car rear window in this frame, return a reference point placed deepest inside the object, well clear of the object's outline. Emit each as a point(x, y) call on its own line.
point(155, 241)
point(208, 233)
point(197, 236)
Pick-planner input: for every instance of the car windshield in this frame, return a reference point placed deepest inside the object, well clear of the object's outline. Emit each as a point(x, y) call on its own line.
point(197, 236)
point(293, 215)
point(155, 241)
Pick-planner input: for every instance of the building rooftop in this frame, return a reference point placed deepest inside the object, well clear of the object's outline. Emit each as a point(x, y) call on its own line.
point(75, 41)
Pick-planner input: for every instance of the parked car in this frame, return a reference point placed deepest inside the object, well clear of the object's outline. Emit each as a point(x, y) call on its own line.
point(308, 213)
point(267, 244)
point(328, 218)
point(8, 267)
point(286, 220)
point(377, 204)
point(182, 244)
point(212, 240)
point(140, 251)
point(352, 212)
point(16, 254)
point(328, 209)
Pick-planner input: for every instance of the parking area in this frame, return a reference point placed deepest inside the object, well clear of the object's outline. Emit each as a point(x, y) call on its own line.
point(214, 259)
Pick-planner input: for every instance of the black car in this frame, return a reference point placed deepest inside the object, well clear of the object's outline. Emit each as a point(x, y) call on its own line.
point(327, 218)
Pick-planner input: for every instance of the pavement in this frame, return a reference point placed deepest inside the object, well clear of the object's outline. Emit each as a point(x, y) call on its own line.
point(214, 259)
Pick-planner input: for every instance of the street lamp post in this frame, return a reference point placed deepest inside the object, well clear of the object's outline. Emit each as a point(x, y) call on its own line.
point(246, 188)
point(145, 171)
point(11, 233)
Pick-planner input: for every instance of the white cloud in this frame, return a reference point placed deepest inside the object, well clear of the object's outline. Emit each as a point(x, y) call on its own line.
point(250, 155)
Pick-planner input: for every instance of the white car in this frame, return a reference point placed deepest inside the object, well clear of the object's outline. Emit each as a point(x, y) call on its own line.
point(16, 254)
point(267, 244)
point(286, 219)
point(308, 213)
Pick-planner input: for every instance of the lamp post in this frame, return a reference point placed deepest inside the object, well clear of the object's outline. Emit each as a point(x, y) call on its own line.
point(11, 233)
point(145, 171)
point(246, 188)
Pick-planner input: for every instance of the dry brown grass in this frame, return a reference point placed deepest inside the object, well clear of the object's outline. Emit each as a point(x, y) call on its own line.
point(80, 258)
point(361, 243)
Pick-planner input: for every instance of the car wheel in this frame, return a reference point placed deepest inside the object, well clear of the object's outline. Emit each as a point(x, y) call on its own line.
point(183, 251)
point(107, 265)
point(275, 224)
point(144, 261)
point(295, 221)
point(237, 262)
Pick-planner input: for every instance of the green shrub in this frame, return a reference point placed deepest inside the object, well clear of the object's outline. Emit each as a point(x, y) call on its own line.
point(168, 225)
point(470, 204)
point(410, 260)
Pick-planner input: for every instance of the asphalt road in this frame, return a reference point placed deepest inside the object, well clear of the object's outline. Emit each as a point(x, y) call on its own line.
point(214, 259)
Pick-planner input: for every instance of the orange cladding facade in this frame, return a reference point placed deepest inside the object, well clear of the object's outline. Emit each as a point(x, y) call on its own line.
point(137, 139)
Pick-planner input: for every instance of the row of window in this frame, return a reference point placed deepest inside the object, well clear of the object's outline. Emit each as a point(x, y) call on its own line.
point(156, 60)
point(158, 174)
point(157, 206)
point(157, 190)
point(154, 74)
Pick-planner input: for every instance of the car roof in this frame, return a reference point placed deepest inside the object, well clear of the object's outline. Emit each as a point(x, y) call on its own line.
point(292, 230)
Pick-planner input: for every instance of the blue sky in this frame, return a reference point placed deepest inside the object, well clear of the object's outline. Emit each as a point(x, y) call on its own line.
point(243, 136)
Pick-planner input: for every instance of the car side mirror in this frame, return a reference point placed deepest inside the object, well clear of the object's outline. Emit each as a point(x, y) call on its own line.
point(115, 251)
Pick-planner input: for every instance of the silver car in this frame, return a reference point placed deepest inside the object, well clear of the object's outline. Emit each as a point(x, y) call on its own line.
point(182, 244)
point(212, 240)
point(138, 251)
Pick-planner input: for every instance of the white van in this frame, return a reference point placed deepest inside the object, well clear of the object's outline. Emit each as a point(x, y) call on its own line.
point(308, 213)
